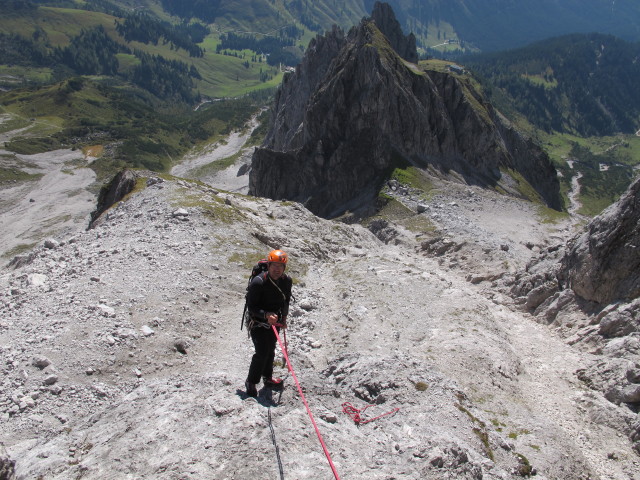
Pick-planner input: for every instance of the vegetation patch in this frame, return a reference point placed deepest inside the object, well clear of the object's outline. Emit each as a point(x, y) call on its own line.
point(419, 224)
point(604, 177)
point(56, 221)
point(31, 146)
point(524, 467)
point(392, 209)
point(413, 177)
point(94, 151)
point(18, 250)
point(9, 123)
point(514, 435)
point(380, 43)
point(214, 167)
point(545, 80)
point(246, 259)
point(211, 206)
point(75, 113)
point(480, 431)
point(421, 386)
point(524, 188)
point(10, 174)
point(260, 132)
point(606, 165)
point(498, 424)
point(548, 83)
point(551, 216)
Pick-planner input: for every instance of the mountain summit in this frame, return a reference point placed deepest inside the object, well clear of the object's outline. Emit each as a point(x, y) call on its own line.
point(358, 106)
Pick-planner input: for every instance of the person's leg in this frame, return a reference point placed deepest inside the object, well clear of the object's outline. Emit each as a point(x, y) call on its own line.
point(267, 371)
point(262, 360)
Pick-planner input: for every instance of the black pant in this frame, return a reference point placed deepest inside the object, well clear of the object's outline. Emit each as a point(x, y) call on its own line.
point(264, 341)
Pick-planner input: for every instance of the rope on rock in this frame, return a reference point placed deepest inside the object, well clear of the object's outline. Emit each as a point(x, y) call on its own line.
point(356, 414)
point(304, 400)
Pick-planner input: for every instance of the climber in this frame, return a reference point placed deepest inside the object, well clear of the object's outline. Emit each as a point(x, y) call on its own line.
point(268, 299)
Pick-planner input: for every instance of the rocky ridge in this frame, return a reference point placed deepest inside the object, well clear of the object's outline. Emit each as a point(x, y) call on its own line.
point(122, 354)
point(588, 289)
point(355, 109)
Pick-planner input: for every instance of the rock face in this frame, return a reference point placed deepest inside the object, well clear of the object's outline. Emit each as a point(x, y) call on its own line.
point(122, 184)
point(598, 268)
point(385, 19)
point(603, 264)
point(356, 108)
point(590, 292)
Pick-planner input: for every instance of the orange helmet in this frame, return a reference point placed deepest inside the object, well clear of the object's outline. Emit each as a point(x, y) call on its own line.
point(277, 256)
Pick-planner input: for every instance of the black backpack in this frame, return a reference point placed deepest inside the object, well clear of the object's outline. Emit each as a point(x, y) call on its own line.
point(260, 267)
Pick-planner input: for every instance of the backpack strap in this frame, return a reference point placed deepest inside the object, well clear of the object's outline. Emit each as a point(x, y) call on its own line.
point(284, 297)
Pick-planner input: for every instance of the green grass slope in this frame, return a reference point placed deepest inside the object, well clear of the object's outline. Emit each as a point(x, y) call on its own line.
point(222, 76)
point(91, 113)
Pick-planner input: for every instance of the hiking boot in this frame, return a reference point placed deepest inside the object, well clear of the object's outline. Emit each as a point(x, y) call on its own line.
point(274, 383)
point(251, 389)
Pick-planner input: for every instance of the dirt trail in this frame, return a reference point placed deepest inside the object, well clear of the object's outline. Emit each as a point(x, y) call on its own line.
point(215, 152)
point(574, 193)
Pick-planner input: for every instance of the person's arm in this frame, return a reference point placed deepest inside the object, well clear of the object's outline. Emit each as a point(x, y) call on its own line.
point(287, 292)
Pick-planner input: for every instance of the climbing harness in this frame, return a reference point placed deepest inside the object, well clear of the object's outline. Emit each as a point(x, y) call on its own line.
point(304, 400)
point(356, 414)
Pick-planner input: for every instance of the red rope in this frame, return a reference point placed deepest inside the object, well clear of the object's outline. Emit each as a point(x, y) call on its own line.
point(304, 400)
point(356, 414)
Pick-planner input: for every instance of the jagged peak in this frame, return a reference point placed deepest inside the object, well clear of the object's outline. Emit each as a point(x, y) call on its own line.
point(385, 19)
point(352, 109)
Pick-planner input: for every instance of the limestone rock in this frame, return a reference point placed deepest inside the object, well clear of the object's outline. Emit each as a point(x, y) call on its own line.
point(122, 184)
point(41, 362)
point(36, 279)
point(354, 109)
point(385, 19)
point(603, 264)
point(7, 467)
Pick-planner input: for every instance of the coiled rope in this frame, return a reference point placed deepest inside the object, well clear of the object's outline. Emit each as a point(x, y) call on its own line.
point(356, 414)
point(304, 400)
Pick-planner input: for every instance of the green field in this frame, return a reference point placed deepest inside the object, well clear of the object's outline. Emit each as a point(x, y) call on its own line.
point(607, 165)
point(222, 76)
point(625, 148)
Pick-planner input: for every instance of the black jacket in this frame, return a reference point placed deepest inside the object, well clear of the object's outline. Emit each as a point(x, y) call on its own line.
point(264, 296)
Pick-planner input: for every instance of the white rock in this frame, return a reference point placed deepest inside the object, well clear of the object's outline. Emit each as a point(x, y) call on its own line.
point(147, 331)
point(107, 311)
point(181, 212)
point(36, 279)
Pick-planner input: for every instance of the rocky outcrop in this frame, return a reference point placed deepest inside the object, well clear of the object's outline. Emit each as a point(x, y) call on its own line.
point(122, 184)
point(600, 267)
point(355, 109)
point(7, 468)
point(385, 19)
point(603, 264)
point(590, 291)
